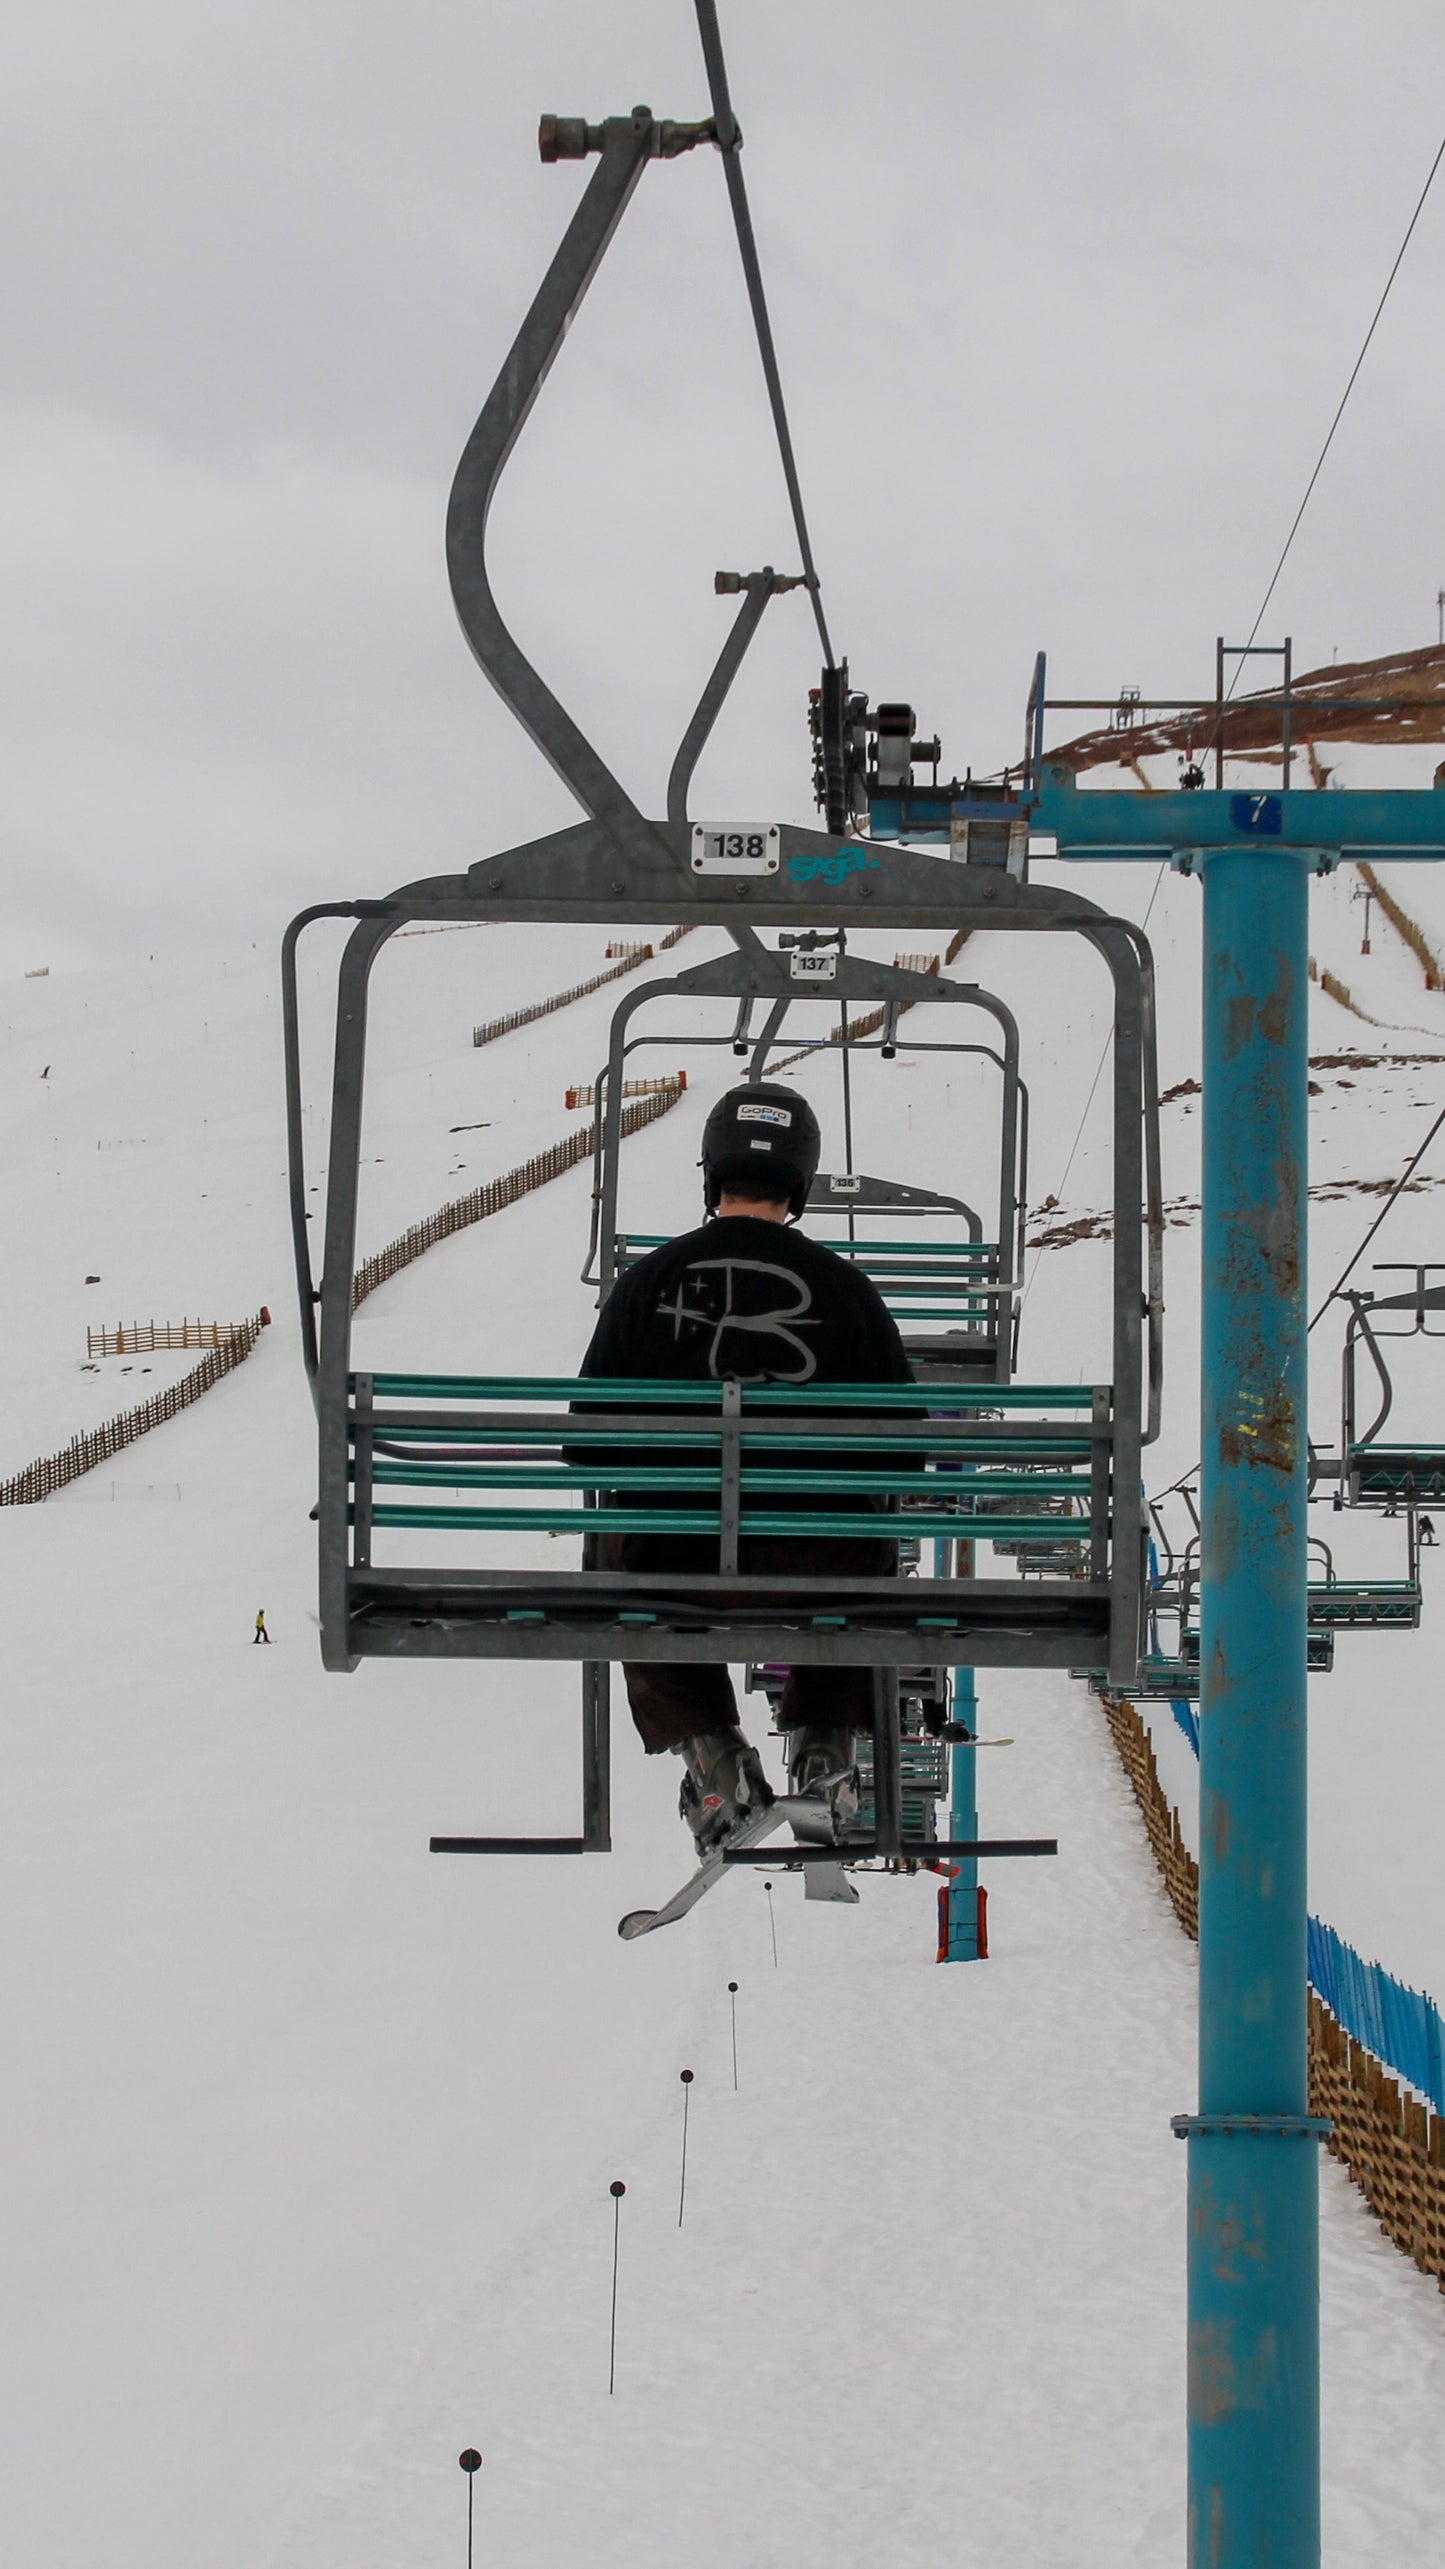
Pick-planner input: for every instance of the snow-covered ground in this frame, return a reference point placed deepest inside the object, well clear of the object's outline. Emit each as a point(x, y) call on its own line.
point(308, 2166)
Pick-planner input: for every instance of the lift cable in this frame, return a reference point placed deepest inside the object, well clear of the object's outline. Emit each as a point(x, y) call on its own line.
point(1401, 1181)
point(1344, 397)
point(729, 141)
point(1088, 1103)
point(843, 1052)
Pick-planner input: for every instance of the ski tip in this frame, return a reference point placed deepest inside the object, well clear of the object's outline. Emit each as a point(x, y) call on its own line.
point(636, 1923)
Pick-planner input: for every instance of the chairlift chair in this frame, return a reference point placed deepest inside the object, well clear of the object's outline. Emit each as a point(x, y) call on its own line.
point(461, 1458)
point(1332, 1603)
point(1372, 1475)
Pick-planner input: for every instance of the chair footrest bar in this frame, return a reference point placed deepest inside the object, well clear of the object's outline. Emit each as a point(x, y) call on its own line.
point(850, 1850)
point(514, 1846)
point(1281, 2127)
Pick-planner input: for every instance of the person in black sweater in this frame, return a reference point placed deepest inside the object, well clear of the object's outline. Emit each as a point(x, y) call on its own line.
point(746, 1298)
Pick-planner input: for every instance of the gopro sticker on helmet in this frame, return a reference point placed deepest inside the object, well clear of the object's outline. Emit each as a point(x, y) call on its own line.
point(764, 1115)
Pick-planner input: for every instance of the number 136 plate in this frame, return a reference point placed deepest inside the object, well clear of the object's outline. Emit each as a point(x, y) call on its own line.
point(740, 850)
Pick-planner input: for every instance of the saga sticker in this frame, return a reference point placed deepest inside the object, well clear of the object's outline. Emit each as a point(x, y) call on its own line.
point(831, 868)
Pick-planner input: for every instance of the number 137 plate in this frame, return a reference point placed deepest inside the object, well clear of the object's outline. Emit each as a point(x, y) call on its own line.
point(740, 850)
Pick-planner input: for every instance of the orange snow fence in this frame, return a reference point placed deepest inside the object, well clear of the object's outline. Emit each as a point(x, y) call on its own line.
point(145, 1337)
point(669, 1083)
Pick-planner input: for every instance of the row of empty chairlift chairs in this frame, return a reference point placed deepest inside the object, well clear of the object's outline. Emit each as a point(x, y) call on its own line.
point(1397, 1481)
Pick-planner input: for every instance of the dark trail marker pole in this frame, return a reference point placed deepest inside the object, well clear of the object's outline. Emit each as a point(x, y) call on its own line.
point(733, 1995)
point(772, 1922)
point(618, 2191)
point(471, 2463)
point(686, 2078)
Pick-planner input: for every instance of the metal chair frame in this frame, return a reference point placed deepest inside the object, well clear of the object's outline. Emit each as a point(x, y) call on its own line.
point(1375, 1475)
point(992, 1348)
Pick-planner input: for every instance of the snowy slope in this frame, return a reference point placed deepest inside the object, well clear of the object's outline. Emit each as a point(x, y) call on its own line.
point(309, 2183)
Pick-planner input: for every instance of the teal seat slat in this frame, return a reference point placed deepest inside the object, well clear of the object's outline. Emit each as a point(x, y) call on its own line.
point(970, 1452)
point(756, 1484)
point(505, 1476)
point(953, 1315)
point(1411, 1453)
point(862, 1527)
point(705, 1436)
point(633, 1394)
point(1062, 1448)
point(543, 1520)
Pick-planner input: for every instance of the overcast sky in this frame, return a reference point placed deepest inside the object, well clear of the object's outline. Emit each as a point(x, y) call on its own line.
point(1065, 296)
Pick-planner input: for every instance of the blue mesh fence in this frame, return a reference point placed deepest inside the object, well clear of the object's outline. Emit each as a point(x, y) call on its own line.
point(1188, 1720)
point(1400, 2026)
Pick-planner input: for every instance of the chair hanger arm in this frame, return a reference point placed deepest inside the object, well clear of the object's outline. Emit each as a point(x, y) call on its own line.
point(626, 143)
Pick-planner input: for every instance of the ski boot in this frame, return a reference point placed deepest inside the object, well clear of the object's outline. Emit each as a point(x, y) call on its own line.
point(723, 1783)
point(822, 1766)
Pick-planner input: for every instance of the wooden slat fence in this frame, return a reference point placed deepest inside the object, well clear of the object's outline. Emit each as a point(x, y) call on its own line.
point(147, 1337)
point(497, 1194)
point(1408, 928)
point(1161, 1820)
point(1333, 988)
point(668, 1083)
point(1391, 2143)
point(563, 999)
point(631, 957)
point(1393, 2146)
point(868, 1024)
point(53, 1471)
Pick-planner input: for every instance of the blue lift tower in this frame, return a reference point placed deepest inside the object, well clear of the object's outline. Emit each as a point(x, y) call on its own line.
point(1253, 2174)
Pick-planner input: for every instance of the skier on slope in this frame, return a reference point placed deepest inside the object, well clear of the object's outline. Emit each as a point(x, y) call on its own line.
point(747, 1299)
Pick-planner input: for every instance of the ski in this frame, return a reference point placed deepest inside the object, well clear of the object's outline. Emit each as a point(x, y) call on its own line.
point(817, 1825)
point(829, 1882)
point(799, 1808)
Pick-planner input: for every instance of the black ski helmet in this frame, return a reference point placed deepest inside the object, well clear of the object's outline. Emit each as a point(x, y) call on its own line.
point(761, 1133)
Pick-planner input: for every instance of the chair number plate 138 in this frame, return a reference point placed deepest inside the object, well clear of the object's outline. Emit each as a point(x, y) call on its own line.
point(743, 849)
